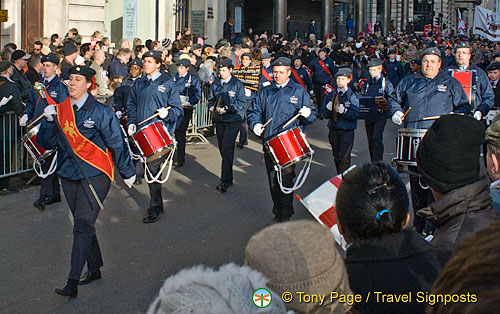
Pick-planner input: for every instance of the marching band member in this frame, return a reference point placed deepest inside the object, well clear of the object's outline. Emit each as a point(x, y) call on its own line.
point(93, 131)
point(484, 98)
point(151, 94)
point(227, 101)
point(343, 112)
point(429, 93)
point(267, 70)
point(280, 101)
point(301, 74)
point(323, 70)
point(393, 68)
point(377, 85)
point(494, 74)
point(190, 90)
point(245, 65)
point(50, 191)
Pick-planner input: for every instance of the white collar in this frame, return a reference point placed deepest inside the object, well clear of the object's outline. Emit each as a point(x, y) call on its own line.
point(284, 84)
point(226, 81)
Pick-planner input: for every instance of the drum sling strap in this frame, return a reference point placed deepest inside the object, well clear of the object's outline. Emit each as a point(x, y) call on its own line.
point(327, 70)
point(266, 75)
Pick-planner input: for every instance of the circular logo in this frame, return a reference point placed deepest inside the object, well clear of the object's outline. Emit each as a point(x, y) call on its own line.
point(262, 297)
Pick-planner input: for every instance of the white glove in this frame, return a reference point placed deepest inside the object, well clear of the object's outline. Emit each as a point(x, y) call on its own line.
point(311, 92)
point(50, 112)
point(397, 117)
point(342, 109)
point(258, 129)
point(328, 89)
point(248, 92)
point(329, 106)
point(477, 115)
point(305, 112)
point(221, 111)
point(211, 109)
point(5, 100)
point(163, 112)
point(23, 120)
point(131, 129)
point(130, 181)
point(119, 114)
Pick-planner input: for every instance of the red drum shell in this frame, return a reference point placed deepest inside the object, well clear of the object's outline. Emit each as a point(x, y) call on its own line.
point(289, 147)
point(153, 141)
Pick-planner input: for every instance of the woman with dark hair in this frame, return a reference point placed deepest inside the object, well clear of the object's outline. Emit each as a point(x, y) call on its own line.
point(383, 257)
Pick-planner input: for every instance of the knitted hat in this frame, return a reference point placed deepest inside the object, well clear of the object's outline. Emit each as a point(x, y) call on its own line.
point(201, 290)
point(448, 155)
point(299, 256)
point(165, 42)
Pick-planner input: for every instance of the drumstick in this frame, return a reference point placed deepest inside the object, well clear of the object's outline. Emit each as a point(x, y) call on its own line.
point(404, 115)
point(431, 118)
point(291, 120)
point(35, 121)
point(153, 116)
point(268, 121)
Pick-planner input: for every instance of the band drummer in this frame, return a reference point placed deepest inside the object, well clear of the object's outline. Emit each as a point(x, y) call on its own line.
point(280, 101)
point(152, 94)
point(50, 191)
point(377, 86)
point(82, 118)
point(429, 93)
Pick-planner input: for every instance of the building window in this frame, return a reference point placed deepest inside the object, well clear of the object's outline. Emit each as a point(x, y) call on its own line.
point(421, 14)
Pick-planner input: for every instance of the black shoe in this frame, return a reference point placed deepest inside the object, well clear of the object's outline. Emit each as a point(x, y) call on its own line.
point(179, 164)
point(89, 277)
point(321, 117)
point(242, 145)
point(160, 211)
point(222, 187)
point(39, 204)
point(277, 219)
point(52, 199)
point(70, 290)
point(151, 216)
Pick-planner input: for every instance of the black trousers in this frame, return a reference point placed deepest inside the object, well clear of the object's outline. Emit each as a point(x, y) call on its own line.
point(282, 203)
point(244, 126)
point(50, 185)
point(226, 137)
point(374, 134)
point(420, 198)
point(320, 96)
point(156, 199)
point(85, 210)
point(180, 135)
point(341, 142)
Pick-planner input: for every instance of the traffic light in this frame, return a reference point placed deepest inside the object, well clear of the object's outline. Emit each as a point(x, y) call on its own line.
point(438, 20)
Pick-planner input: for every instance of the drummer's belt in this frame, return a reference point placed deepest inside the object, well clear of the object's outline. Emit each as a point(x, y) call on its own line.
point(249, 76)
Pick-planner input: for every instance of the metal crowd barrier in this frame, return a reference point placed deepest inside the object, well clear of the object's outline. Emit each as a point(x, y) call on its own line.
point(202, 117)
point(14, 159)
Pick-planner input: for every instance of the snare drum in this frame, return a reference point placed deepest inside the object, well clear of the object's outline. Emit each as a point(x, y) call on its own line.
point(408, 141)
point(36, 151)
point(153, 141)
point(289, 147)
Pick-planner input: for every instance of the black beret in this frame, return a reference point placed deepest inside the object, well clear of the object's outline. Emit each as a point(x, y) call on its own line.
point(325, 50)
point(493, 66)
point(447, 47)
point(296, 58)
point(136, 61)
point(282, 61)
point(344, 72)
point(51, 58)
point(374, 63)
point(4, 65)
point(69, 48)
point(432, 51)
point(463, 45)
point(246, 54)
point(226, 63)
point(448, 155)
point(416, 61)
point(392, 51)
point(184, 62)
point(152, 53)
point(82, 70)
point(19, 54)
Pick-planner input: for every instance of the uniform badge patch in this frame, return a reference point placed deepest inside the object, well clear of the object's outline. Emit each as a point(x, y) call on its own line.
point(266, 84)
point(294, 100)
point(442, 88)
point(162, 88)
point(231, 93)
point(89, 124)
point(53, 94)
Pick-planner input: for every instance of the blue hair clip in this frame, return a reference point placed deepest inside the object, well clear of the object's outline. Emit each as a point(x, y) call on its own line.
point(380, 213)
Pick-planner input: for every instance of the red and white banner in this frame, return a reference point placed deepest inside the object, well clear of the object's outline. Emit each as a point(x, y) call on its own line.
point(462, 30)
point(321, 204)
point(487, 24)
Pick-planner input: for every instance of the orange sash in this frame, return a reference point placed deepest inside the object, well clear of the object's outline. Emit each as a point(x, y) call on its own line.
point(297, 77)
point(327, 70)
point(266, 75)
point(83, 147)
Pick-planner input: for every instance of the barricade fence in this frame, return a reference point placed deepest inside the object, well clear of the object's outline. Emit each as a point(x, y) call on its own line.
point(202, 116)
point(14, 159)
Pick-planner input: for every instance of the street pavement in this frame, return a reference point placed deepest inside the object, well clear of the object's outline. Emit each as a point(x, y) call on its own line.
point(200, 226)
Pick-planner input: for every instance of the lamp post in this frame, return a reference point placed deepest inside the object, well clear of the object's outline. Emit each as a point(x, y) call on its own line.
point(431, 2)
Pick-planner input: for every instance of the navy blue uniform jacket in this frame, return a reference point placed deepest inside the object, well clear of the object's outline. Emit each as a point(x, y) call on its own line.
point(394, 71)
point(374, 88)
point(319, 75)
point(429, 97)
point(188, 85)
point(349, 119)
point(233, 97)
point(304, 76)
point(120, 95)
point(281, 105)
point(147, 97)
point(98, 123)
